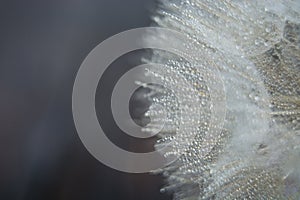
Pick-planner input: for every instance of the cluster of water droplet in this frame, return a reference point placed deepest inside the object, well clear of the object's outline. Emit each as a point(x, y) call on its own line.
point(253, 152)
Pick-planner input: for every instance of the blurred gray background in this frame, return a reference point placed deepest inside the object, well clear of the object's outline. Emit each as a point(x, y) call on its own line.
point(42, 45)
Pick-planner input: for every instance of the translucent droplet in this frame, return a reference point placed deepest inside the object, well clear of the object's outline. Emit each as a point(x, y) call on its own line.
point(256, 42)
point(268, 29)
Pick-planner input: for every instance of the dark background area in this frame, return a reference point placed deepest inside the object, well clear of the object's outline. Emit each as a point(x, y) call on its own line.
point(42, 44)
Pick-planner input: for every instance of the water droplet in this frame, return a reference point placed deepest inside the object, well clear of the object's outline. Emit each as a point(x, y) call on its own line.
point(256, 42)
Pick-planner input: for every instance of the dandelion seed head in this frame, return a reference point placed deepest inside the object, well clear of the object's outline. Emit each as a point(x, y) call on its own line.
point(255, 45)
